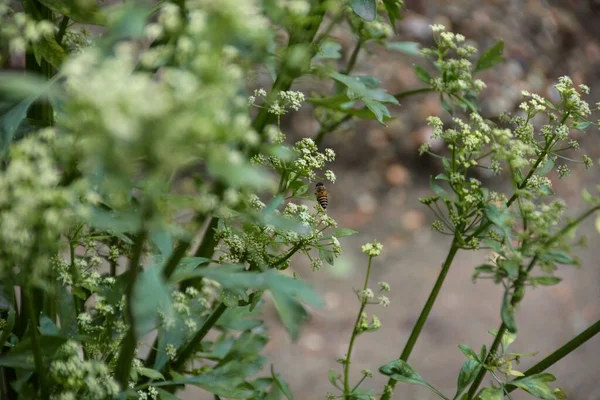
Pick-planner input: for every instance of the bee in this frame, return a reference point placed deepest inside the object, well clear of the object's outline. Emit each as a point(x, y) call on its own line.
point(321, 193)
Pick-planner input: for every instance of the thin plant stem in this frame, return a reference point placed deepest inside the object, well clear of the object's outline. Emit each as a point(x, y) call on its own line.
point(414, 335)
point(62, 29)
point(190, 348)
point(562, 352)
point(363, 303)
point(128, 345)
point(35, 342)
point(502, 330)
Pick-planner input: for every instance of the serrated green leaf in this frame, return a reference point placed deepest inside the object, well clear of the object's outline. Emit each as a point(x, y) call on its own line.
point(490, 394)
point(281, 385)
point(536, 385)
point(290, 311)
point(48, 49)
point(400, 371)
point(467, 374)
point(422, 74)
point(366, 9)
point(468, 352)
point(328, 50)
point(491, 57)
point(327, 256)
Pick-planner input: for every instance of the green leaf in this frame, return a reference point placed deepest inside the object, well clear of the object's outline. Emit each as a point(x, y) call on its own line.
point(582, 125)
point(402, 372)
point(393, 8)
point(17, 92)
point(48, 49)
point(422, 74)
point(344, 232)
point(379, 110)
point(507, 314)
point(290, 311)
point(366, 9)
point(499, 216)
point(372, 97)
point(328, 50)
point(491, 57)
point(491, 394)
point(411, 48)
point(486, 268)
point(333, 378)
point(545, 280)
point(468, 352)
point(125, 21)
point(7, 331)
point(47, 326)
point(326, 255)
point(150, 373)
point(559, 257)
point(149, 295)
point(467, 374)
point(445, 105)
point(82, 11)
point(536, 385)
point(546, 167)
point(510, 266)
point(240, 318)
point(21, 356)
point(282, 385)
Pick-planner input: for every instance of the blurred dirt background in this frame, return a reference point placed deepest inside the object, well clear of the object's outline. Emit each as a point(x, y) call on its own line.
point(380, 177)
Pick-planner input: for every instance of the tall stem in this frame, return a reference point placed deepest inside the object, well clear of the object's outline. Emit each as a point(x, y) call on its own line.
point(190, 348)
point(40, 369)
point(130, 341)
point(363, 303)
point(562, 352)
point(414, 335)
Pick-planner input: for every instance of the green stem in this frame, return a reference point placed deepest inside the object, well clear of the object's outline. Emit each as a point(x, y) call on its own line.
point(40, 110)
point(62, 28)
point(35, 342)
point(562, 352)
point(363, 303)
point(410, 92)
point(414, 335)
point(191, 346)
point(176, 256)
point(129, 343)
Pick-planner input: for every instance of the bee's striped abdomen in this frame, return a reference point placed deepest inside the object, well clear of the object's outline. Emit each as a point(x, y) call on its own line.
point(321, 193)
point(322, 199)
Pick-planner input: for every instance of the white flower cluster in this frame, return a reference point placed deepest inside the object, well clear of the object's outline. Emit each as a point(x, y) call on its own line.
point(372, 249)
point(34, 209)
point(81, 379)
point(456, 74)
point(19, 29)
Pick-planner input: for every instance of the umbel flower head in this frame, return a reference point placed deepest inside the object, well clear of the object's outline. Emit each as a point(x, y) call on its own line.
point(372, 249)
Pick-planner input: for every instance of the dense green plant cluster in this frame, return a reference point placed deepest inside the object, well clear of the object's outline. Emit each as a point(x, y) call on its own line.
point(149, 200)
